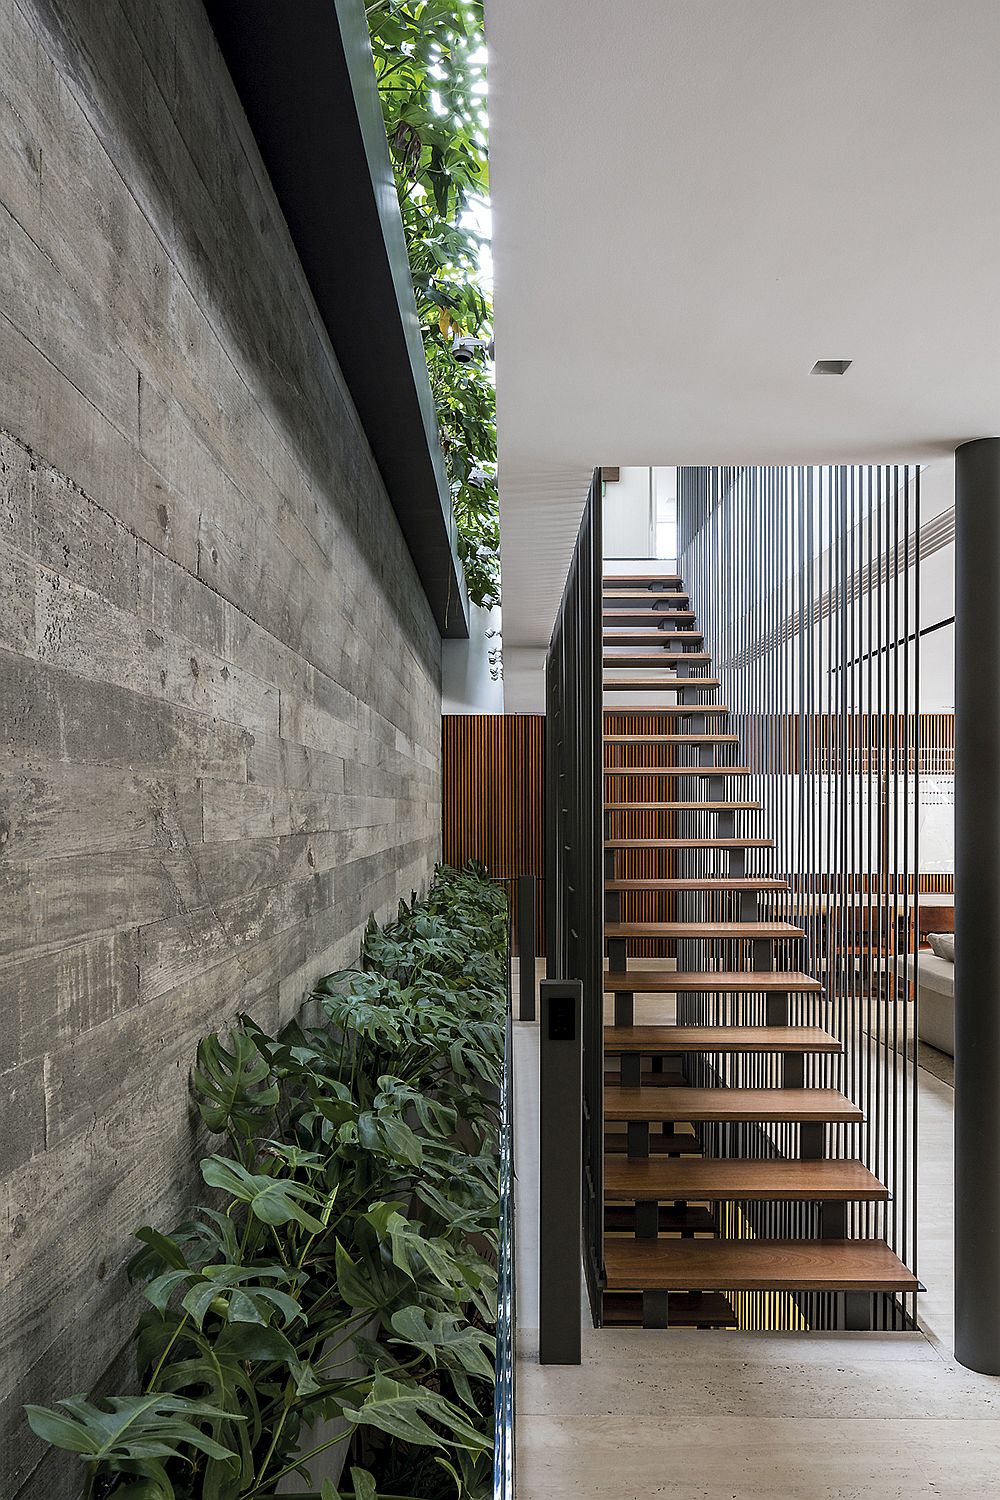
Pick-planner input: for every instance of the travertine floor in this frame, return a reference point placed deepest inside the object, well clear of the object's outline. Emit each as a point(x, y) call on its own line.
point(730, 1416)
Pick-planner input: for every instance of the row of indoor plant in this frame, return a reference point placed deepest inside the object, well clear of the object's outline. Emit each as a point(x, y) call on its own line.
point(351, 1225)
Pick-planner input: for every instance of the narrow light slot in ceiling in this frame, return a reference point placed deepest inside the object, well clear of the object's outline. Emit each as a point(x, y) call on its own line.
point(831, 367)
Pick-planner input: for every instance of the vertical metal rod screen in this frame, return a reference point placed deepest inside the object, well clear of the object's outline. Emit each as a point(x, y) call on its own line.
point(505, 1351)
point(806, 585)
point(574, 920)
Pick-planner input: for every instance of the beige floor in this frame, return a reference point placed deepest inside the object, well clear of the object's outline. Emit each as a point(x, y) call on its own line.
point(729, 1416)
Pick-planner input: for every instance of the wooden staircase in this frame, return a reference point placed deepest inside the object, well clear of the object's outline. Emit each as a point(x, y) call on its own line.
point(666, 1259)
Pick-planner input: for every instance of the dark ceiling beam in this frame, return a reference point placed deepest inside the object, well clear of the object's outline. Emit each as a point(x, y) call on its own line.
point(305, 78)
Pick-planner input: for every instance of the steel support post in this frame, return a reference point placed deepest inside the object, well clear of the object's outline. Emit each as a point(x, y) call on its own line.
point(977, 905)
point(560, 1172)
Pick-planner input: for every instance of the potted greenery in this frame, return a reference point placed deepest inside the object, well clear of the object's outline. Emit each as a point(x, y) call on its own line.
point(352, 1217)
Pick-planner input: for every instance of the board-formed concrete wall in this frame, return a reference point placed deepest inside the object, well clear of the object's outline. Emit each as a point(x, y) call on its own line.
point(219, 678)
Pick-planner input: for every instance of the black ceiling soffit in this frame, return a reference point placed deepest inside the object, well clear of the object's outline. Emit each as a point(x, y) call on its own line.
point(304, 75)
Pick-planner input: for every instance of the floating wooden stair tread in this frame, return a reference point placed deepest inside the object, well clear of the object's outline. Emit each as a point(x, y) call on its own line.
point(681, 807)
point(645, 774)
point(775, 1106)
point(627, 1180)
point(668, 710)
point(706, 883)
point(647, 635)
point(645, 596)
point(660, 684)
point(676, 771)
point(671, 739)
point(723, 982)
point(688, 843)
point(662, 1041)
point(656, 658)
point(656, 626)
point(650, 606)
point(755, 1266)
point(612, 579)
point(704, 931)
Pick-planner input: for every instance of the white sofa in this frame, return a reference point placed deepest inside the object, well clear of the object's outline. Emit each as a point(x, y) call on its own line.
point(936, 983)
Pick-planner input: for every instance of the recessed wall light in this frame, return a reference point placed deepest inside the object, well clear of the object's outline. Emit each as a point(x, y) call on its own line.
point(831, 367)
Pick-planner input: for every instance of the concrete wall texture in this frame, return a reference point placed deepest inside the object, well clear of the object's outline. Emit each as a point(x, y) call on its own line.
point(219, 677)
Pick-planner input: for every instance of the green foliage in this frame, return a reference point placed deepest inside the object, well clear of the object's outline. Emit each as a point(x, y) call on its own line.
point(234, 1085)
point(430, 62)
point(353, 1215)
point(135, 1427)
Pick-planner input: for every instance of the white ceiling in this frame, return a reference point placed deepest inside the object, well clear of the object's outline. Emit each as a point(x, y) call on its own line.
point(694, 200)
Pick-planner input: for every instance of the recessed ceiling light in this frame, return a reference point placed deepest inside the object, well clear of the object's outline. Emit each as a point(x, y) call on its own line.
point(831, 367)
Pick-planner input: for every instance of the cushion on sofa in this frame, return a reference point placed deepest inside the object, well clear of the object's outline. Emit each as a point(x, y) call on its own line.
point(943, 945)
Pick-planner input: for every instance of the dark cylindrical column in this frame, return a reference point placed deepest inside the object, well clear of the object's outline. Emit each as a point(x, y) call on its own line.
point(977, 905)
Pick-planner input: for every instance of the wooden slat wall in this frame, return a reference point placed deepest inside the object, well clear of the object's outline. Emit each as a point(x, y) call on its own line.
point(494, 798)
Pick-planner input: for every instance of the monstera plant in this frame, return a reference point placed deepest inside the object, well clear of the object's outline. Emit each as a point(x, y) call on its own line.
point(350, 1225)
